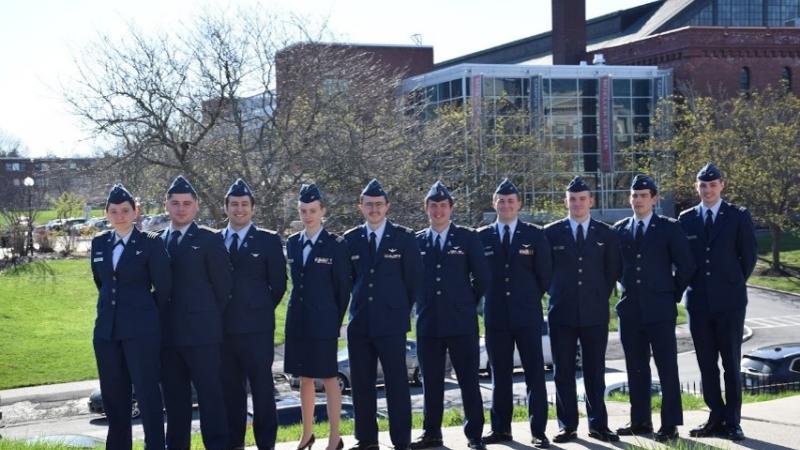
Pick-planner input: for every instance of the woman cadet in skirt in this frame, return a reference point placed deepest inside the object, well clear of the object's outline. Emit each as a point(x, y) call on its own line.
point(320, 268)
point(131, 271)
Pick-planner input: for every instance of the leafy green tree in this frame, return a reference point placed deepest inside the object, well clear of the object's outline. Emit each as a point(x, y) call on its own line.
point(68, 204)
point(754, 139)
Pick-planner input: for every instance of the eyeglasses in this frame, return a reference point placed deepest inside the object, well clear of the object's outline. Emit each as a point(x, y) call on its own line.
point(374, 205)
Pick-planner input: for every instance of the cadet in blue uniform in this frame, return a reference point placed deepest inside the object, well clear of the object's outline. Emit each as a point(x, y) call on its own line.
point(387, 273)
point(320, 268)
point(259, 282)
point(653, 247)
point(586, 265)
point(131, 272)
point(456, 277)
point(192, 325)
point(519, 257)
point(723, 243)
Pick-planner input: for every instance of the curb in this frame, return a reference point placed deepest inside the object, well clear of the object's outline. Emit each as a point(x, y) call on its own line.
point(776, 291)
point(49, 392)
point(748, 333)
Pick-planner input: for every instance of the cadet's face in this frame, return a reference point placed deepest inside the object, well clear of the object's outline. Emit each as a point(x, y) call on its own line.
point(643, 202)
point(507, 207)
point(709, 191)
point(239, 211)
point(181, 208)
point(311, 214)
point(121, 216)
point(374, 209)
point(579, 204)
point(438, 213)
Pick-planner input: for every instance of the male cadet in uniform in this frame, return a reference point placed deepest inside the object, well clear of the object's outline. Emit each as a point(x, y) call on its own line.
point(519, 257)
point(387, 273)
point(586, 265)
point(723, 243)
point(192, 325)
point(657, 266)
point(456, 277)
point(259, 282)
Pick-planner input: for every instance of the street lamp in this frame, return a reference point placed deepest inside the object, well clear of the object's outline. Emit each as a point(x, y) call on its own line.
point(28, 182)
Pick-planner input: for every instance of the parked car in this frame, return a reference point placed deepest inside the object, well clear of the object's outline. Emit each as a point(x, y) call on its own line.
point(412, 369)
point(155, 223)
point(547, 354)
point(616, 383)
point(771, 365)
point(55, 224)
point(95, 224)
point(289, 413)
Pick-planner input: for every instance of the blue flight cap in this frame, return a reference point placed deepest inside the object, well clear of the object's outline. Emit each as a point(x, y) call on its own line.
point(309, 193)
point(374, 189)
point(438, 193)
point(641, 182)
point(577, 185)
point(239, 188)
point(119, 194)
point(506, 187)
point(709, 172)
point(181, 186)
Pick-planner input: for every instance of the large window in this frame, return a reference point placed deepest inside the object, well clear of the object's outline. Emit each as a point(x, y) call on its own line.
point(744, 79)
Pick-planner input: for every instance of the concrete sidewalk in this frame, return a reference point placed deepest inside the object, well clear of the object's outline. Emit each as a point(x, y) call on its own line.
point(772, 425)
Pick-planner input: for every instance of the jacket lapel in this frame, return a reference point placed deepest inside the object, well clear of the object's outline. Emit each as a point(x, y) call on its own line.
point(321, 239)
point(129, 250)
point(719, 222)
point(386, 243)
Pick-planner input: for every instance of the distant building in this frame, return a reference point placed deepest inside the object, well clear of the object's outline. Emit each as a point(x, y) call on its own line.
point(52, 176)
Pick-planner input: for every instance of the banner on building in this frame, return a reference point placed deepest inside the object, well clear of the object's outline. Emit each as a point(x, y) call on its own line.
point(606, 131)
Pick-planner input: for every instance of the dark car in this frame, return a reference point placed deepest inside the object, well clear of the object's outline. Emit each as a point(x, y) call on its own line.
point(772, 366)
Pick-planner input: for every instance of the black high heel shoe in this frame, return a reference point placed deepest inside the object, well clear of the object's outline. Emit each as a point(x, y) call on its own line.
point(340, 445)
point(308, 444)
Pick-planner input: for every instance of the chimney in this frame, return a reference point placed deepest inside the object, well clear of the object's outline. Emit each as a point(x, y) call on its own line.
point(569, 31)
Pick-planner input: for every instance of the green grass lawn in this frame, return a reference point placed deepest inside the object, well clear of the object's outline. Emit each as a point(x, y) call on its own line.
point(790, 258)
point(43, 216)
point(47, 315)
point(695, 402)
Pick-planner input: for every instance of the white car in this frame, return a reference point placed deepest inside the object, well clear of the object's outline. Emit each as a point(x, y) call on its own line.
point(483, 364)
point(616, 382)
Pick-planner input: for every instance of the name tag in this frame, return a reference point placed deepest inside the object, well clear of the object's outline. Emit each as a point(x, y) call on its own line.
point(692, 236)
point(100, 259)
point(355, 257)
point(321, 260)
point(558, 247)
point(422, 253)
point(600, 244)
point(526, 251)
point(392, 255)
point(488, 253)
point(456, 252)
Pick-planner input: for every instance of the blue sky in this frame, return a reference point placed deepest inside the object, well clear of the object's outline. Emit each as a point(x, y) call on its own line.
point(40, 38)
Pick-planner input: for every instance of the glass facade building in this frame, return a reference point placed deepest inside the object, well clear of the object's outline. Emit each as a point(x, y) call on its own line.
point(746, 13)
point(579, 120)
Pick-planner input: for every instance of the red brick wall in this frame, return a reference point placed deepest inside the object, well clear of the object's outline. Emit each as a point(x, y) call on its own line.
point(711, 58)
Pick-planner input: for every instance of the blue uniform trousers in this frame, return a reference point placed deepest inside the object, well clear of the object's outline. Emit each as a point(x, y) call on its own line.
point(464, 355)
point(364, 355)
point(563, 342)
point(719, 335)
point(120, 363)
point(198, 364)
point(637, 340)
point(248, 357)
point(500, 347)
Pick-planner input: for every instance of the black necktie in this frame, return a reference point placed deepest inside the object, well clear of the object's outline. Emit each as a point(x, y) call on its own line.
point(506, 239)
point(579, 236)
point(437, 245)
point(373, 248)
point(172, 247)
point(307, 243)
point(119, 242)
point(233, 251)
point(639, 233)
point(709, 222)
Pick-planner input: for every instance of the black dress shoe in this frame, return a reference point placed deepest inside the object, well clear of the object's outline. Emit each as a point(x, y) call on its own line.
point(668, 433)
point(604, 435)
point(364, 446)
point(540, 441)
point(565, 435)
point(426, 441)
point(734, 433)
point(633, 429)
point(495, 437)
point(308, 444)
point(708, 429)
point(476, 444)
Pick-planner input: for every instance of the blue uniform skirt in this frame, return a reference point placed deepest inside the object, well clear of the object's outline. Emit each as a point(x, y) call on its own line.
point(312, 358)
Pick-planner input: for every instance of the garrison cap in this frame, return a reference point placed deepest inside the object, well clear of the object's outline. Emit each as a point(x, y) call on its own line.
point(438, 193)
point(181, 185)
point(577, 185)
point(118, 194)
point(374, 189)
point(709, 172)
point(239, 188)
point(309, 193)
point(506, 187)
point(641, 182)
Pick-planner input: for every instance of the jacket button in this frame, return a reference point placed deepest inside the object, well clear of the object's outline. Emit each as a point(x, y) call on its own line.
point(370, 285)
point(638, 281)
point(114, 278)
point(301, 286)
point(438, 278)
point(508, 294)
point(113, 302)
point(580, 270)
point(638, 269)
point(506, 265)
point(708, 249)
point(438, 292)
point(438, 266)
point(580, 283)
point(708, 273)
point(508, 279)
point(113, 290)
point(580, 258)
point(369, 298)
point(708, 261)
point(638, 255)
point(371, 270)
